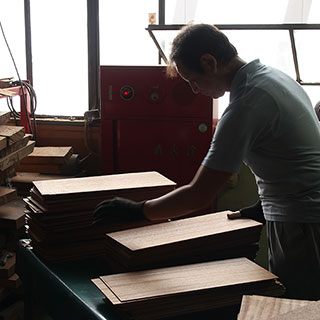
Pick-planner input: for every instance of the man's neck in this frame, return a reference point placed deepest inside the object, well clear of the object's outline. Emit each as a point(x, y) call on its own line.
point(231, 70)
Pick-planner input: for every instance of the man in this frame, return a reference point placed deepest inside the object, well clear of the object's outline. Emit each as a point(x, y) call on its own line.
point(270, 125)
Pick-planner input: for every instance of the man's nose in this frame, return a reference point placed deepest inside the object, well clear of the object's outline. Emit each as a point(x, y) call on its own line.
point(194, 87)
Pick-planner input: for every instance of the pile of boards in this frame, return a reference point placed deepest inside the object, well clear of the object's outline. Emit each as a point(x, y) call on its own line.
point(60, 212)
point(187, 266)
point(206, 237)
point(15, 145)
point(172, 291)
point(56, 160)
point(12, 228)
point(153, 270)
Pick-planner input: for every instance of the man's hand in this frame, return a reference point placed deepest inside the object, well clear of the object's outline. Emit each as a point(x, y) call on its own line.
point(118, 210)
point(254, 212)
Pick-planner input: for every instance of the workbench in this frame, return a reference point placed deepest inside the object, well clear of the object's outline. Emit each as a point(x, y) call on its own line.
point(64, 290)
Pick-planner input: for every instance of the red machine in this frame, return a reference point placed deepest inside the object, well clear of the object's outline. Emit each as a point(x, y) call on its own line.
point(152, 122)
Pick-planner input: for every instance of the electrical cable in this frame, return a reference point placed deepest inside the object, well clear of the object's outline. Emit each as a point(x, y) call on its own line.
point(29, 89)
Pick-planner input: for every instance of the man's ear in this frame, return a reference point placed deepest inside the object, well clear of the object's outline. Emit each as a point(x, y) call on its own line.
point(208, 62)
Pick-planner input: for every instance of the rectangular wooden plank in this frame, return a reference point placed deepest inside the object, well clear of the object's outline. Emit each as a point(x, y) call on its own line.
point(180, 230)
point(105, 183)
point(173, 280)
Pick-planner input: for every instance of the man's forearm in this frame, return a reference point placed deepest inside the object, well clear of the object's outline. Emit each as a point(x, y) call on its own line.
point(177, 203)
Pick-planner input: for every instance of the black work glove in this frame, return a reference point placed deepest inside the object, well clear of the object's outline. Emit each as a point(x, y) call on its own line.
point(254, 212)
point(118, 210)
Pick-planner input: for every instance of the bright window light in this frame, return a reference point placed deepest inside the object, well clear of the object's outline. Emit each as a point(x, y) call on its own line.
point(60, 56)
point(12, 21)
point(123, 38)
point(272, 47)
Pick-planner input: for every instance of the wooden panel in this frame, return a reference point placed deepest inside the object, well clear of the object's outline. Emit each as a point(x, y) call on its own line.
point(173, 280)
point(166, 292)
point(180, 230)
point(56, 188)
point(265, 308)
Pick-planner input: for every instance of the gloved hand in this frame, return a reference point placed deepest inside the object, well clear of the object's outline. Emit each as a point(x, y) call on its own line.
point(254, 212)
point(118, 210)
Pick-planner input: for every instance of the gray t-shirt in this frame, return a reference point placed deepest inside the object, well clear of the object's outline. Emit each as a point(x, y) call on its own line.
point(270, 125)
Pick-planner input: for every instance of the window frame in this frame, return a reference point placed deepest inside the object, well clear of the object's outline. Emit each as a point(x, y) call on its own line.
point(286, 26)
point(94, 47)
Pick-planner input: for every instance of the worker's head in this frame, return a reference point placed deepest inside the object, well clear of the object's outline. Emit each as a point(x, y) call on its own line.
point(199, 54)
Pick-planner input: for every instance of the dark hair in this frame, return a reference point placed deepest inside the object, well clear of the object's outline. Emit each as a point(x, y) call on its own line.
point(195, 40)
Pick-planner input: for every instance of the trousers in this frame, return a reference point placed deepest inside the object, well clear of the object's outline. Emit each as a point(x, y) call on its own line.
point(294, 256)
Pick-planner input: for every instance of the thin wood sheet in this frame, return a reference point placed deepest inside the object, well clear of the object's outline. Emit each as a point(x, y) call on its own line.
point(174, 280)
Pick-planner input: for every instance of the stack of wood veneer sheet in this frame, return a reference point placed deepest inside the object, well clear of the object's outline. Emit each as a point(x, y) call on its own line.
point(264, 308)
point(174, 291)
point(61, 211)
point(202, 238)
point(12, 228)
point(50, 160)
point(22, 181)
point(15, 145)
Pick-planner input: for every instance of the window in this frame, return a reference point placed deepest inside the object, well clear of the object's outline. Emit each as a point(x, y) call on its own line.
point(123, 38)
point(12, 21)
point(60, 56)
point(272, 47)
point(60, 52)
